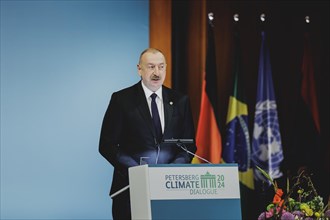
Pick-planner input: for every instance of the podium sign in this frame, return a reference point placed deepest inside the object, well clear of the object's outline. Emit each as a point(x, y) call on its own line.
point(187, 191)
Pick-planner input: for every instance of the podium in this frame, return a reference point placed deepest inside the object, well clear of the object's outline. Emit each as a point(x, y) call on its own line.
point(185, 191)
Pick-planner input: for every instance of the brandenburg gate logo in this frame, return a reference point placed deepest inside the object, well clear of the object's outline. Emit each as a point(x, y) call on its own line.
point(208, 181)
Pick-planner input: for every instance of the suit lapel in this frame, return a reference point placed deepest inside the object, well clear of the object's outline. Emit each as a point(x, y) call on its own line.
point(143, 108)
point(168, 109)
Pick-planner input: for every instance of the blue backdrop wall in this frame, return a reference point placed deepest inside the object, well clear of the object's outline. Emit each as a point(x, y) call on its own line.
point(60, 62)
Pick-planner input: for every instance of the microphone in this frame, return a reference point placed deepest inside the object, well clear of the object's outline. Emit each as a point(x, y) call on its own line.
point(180, 143)
point(175, 141)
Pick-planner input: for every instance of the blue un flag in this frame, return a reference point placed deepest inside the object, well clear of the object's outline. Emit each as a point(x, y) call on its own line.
point(266, 144)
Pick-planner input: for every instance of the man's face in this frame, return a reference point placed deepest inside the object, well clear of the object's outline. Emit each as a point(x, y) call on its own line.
point(152, 69)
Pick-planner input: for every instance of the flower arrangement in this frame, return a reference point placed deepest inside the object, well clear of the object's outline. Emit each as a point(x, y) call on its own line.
point(301, 201)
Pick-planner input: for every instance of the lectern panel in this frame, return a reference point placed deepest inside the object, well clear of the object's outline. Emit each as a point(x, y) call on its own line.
point(187, 191)
point(205, 209)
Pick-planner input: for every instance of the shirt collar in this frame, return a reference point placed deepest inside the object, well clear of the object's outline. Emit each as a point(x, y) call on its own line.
point(148, 92)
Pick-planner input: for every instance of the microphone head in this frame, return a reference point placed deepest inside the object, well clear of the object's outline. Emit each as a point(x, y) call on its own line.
point(176, 141)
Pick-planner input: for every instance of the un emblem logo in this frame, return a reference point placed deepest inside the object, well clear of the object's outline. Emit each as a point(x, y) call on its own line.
point(267, 146)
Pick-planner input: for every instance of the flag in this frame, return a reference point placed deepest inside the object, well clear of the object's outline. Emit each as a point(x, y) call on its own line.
point(308, 151)
point(266, 144)
point(208, 138)
point(307, 123)
point(237, 148)
point(314, 154)
point(308, 90)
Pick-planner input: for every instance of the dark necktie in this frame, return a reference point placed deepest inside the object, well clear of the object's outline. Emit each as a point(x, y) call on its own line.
point(155, 117)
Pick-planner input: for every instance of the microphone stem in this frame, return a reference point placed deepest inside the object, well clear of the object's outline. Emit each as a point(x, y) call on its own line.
point(183, 147)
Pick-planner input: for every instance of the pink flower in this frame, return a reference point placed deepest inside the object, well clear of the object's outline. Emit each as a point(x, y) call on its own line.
point(269, 214)
point(266, 215)
point(262, 216)
point(299, 214)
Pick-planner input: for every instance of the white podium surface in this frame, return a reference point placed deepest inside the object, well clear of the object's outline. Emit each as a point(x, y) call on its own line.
point(187, 191)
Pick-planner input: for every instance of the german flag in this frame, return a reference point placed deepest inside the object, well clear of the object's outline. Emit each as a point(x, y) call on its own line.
point(208, 138)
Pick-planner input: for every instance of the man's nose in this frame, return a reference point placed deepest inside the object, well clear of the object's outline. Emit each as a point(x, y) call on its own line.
point(157, 71)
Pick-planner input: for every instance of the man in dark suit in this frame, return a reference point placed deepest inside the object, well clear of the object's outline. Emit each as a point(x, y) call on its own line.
point(136, 122)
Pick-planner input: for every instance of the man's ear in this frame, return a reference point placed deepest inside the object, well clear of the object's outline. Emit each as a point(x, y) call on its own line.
point(139, 69)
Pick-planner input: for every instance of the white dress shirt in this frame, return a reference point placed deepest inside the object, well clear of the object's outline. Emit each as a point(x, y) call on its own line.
point(159, 102)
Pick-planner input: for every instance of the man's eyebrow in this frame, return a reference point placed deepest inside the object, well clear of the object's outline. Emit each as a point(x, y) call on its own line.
point(155, 64)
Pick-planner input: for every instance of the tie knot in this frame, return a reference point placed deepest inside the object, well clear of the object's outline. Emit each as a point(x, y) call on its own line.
point(153, 96)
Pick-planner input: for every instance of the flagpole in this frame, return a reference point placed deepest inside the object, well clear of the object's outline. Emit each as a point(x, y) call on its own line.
point(236, 18)
point(263, 19)
point(307, 19)
point(211, 18)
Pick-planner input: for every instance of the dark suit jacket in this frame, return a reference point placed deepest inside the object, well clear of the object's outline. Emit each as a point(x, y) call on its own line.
point(128, 134)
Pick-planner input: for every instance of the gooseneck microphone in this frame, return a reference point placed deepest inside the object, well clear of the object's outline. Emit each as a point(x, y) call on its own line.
point(175, 141)
point(181, 143)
